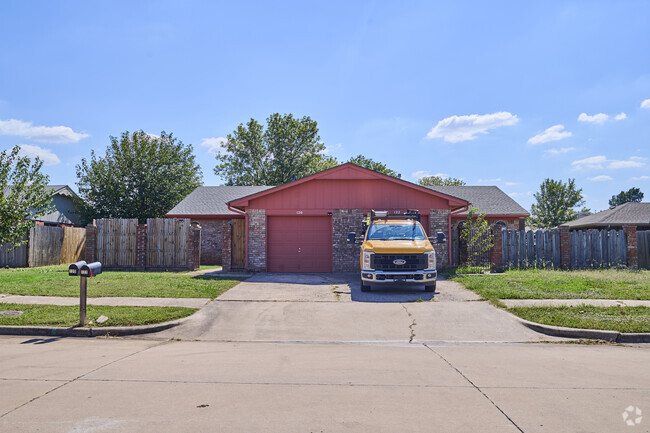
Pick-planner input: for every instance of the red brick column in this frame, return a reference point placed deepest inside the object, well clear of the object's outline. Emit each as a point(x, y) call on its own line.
point(632, 252)
point(226, 244)
point(141, 247)
point(91, 244)
point(497, 248)
point(565, 247)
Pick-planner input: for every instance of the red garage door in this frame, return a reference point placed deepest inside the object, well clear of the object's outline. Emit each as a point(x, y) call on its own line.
point(299, 244)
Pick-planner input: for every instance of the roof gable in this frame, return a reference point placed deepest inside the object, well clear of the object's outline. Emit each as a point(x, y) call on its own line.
point(347, 172)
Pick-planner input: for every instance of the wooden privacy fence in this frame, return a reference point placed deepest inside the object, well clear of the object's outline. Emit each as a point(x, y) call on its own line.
point(47, 245)
point(161, 244)
point(643, 245)
point(543, 249)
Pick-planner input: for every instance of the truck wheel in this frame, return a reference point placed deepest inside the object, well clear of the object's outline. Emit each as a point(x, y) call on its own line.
point(430, 287)
point(364, 287)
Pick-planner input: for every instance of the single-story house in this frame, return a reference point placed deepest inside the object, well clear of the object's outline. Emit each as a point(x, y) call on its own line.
point(637, 214)
point(302, 226)
point(65, 212)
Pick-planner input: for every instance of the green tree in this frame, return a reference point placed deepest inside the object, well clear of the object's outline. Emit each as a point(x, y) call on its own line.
point(23, 195)
point(477, 235)
point(440, 181)
point(288, 149)
point(370, 164)
point(631, 195)
point(141, 176)
point(556, 203)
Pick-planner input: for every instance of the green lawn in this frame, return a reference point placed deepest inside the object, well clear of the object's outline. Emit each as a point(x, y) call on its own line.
point(621, 319)
point(54, 281)
point(550, 284)
point(68, 316)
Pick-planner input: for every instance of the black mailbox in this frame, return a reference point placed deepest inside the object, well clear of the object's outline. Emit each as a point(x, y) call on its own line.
point(352, 238)
point(90, 270)
point(440, 238)
point(73, 269)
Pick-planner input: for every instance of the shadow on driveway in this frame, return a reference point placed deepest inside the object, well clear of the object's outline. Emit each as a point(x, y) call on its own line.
point(390, 293)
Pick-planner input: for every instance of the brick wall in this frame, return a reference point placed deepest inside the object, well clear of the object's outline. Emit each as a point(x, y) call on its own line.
point(565, 247)
point(632, 251)
point(212, 234)
point(256, 240)
point(346, 256)
point(91, 243)
point(439, 222)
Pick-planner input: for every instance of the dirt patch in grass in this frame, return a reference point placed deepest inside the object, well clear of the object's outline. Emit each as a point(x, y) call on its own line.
point(68, 316)
point(621, 319)
point(54, 281)
point(551, 284)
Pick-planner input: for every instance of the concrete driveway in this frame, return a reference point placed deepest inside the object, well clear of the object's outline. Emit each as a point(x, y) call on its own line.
point(332, 308)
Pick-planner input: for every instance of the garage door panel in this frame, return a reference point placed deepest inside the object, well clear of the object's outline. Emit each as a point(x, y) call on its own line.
point(299, 244)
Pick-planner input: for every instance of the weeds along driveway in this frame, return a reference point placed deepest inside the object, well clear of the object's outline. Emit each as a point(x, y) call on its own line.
point(331, 308)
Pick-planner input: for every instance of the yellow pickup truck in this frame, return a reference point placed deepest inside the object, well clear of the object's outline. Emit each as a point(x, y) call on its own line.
point(395, 249)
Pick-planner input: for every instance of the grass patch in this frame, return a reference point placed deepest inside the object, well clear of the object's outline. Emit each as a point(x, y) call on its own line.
point(551, 284)
point(212, 267)
point(68, 316)
point(621, 319)
point(54, 281)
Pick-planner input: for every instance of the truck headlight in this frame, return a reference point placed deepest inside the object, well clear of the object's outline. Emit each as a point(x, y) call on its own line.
point(367, 258)
point(431, 259)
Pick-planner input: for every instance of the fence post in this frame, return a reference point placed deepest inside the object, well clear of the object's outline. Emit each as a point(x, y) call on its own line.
point(497, 248)
point(565, 247)
point(91, 243)
point(632, 252)
point(141, 247)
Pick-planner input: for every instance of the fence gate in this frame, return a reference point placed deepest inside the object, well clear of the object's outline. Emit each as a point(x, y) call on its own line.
point(643, 246)
point(116, 242)
point(167, 242)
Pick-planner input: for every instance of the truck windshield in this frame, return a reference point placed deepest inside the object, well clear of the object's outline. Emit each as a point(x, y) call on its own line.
point(394, 232)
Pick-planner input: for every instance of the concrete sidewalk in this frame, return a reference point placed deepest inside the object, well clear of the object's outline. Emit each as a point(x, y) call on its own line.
point(111, 301)
point(573, 302)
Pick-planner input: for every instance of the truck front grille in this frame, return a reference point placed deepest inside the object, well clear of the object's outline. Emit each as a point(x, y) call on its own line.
point(386, 262)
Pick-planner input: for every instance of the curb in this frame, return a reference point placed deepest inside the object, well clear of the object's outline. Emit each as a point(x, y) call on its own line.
point(114, 331)
point(591, 334)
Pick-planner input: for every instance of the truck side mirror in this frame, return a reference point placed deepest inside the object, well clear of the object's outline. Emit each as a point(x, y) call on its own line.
point(352, 238)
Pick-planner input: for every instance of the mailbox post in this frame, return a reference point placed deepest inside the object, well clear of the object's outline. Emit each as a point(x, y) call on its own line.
point(84, 270)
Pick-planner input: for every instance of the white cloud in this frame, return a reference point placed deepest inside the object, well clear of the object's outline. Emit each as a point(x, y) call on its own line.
point(641, 177)
point(214, 145)
point(520, 194)
point(554, 133)
point(417, 175)
point(45, 134)
point(46, 155)
point(601, 178)
point(512, 183)
point(560, 150)
point(620, 116)
point(497, 179)
point(598, 119)
point(646, 104)
point(599, 162)
point(329, 149)
point(455, 129)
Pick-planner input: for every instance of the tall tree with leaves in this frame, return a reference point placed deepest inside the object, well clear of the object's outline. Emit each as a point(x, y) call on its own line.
point(373, 165)
point(141, 176)
point(631, 195)
point(556, 204)
point(288, 149)
point(440, 181)
point(23, 195)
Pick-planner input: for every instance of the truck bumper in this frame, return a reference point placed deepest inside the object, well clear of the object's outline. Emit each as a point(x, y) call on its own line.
point(412, 277)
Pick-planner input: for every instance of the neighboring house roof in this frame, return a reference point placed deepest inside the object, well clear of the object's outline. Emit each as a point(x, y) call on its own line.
point(63, 201)
point(211, 200)
point(488, 199)
point(627, 213)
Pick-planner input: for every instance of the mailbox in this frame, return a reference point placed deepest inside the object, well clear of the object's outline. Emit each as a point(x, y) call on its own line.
point(440, 238)
point(352, 238)
point(90, 270)
point(73, 269)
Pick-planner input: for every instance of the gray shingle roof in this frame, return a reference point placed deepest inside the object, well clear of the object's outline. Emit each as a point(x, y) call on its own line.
point(489, 199)
point(211, 200)
point(627, 213)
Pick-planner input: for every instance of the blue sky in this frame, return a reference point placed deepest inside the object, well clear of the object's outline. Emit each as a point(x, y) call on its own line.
point(496, 93)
